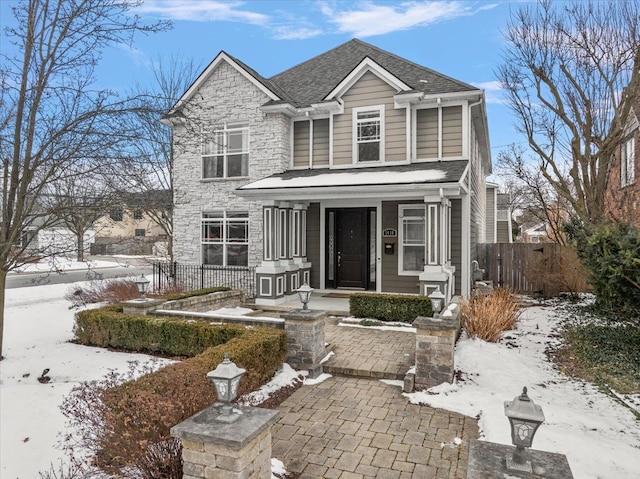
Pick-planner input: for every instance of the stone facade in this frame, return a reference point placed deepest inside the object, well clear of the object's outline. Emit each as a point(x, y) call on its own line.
point(226, 96)
point(305, 340)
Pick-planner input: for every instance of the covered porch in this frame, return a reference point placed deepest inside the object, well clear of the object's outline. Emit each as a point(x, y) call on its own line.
point(396, 229)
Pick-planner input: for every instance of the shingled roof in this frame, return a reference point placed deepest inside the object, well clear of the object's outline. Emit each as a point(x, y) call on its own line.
point(311, 81)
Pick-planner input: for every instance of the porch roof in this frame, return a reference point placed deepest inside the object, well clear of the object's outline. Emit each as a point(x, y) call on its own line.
point(401, 180)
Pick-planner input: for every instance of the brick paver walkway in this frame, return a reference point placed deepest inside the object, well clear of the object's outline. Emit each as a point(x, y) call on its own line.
point(357, 427)
point(364, 352)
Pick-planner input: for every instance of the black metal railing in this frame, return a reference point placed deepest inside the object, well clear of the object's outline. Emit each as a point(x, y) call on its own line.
point(190, 277)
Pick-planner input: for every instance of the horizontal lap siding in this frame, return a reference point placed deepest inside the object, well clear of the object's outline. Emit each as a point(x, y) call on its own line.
point(321, 142)
point(452, 131)
point(391, 281)
point(368, 91)
point(491, 205)
point(427, 133)
point(313, 243)
point(301, 144)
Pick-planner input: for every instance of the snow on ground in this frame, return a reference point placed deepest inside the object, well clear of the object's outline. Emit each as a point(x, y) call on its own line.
point(38, 326)
point(600, 437)
point(60, 264)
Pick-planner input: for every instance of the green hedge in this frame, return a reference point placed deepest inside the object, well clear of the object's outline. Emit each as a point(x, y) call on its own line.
point(142, 412)
point(108, 327)
point(389, 307)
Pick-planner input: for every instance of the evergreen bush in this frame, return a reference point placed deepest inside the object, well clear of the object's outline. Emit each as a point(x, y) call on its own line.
point(389, 307)
point(611, 254)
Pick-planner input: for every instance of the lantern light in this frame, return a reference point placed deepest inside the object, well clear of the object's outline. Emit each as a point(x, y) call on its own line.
point(142, 284)
point(437, 300)
point(226, 379)
point(525, 417)
point(304, 293)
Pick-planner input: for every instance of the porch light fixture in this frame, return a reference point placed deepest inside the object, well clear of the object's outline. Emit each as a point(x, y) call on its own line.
point(437, 300)
point(304, 293)
point(142, 284)
point(226, 379)
point(525, 417)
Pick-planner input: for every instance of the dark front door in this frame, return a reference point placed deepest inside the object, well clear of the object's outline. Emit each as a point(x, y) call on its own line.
point(348, 248)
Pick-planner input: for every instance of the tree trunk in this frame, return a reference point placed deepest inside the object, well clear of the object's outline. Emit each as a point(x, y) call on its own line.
point(80, 242)
point(3, 284)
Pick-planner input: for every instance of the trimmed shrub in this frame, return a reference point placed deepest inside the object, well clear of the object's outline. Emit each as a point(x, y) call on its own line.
point(487, 316)
point(121, 423)
point(389, 307)
point(108, 327)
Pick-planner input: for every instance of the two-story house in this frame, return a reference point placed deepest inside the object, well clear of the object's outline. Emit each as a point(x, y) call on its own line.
point(356, 169)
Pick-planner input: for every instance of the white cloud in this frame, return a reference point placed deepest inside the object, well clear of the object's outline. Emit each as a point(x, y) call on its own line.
point(202, 10)
point(493, 91)
point(369, 19)
point(291, 32)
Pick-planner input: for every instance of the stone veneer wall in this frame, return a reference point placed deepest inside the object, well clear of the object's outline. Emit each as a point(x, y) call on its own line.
point(207, 302)
point(226, 96)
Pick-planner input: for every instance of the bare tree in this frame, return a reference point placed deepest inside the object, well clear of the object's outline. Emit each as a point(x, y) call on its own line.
point(571, 72)
point(147, 167)
point(77, 201)
point(51, 121)
point(531, 194)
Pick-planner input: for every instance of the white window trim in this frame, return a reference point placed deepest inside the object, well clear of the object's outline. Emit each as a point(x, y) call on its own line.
point(225, 243)
point(401, 209)
point(628, 162)
point(354, 133)
point(283, 229)
point(268, 234)
point(225, 130)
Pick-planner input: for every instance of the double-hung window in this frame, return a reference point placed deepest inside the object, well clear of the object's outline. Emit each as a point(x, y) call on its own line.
point(412, 239)
point(225, 238)
point(225, 152)
point(628, 162)
point(368, 134)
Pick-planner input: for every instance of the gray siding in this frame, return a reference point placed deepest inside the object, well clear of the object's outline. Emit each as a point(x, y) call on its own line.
point(503, 232)
point(451, 131)
point(491, 209)
point(456, 241)
point(321, 142)
point(301, 144)
point(427, 132)
point(313, 243)
point(391, 281)
point(369, 90)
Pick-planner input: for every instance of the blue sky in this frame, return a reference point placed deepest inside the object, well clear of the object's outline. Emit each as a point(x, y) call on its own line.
point(461, 39)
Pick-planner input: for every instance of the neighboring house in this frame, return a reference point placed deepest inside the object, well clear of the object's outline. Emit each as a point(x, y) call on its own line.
point(534, 234)
point(354, 170)
point(623, 195)
point(498, 216)
point(132, 225)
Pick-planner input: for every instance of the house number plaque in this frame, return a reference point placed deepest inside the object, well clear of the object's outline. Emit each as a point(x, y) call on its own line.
point(389, 233)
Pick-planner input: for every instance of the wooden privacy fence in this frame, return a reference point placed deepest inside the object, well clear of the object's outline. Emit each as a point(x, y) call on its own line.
point(543, 268)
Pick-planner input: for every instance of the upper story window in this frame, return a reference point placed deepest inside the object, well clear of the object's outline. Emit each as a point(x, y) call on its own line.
point(368, 134)
point(138, 214)
point(225, 153)
point(628, 162)
point(116, 213)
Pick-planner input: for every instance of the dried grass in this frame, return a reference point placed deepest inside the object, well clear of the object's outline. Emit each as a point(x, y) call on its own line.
point(487, 316)
point(111, 291)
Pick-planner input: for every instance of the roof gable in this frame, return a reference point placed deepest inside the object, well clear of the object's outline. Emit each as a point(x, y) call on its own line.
point(315, 79)
point(260, 82)
point(365, 66)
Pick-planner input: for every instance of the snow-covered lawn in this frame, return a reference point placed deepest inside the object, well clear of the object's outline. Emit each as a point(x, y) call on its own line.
point(600, 437)
point(38, 327)
point(61, 264)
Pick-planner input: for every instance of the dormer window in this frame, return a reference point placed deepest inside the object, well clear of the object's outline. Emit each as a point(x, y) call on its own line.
point(368, 134)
